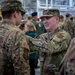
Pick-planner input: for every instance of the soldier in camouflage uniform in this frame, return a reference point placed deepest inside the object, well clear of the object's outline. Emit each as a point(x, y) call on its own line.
point(61, 22)
point(69, 26)
point(58, 41)
point(67, 66)
point(13, 43)
point(35, 22)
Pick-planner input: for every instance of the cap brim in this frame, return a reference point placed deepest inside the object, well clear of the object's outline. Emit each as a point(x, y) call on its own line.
point(46, 16)
point(23, 10)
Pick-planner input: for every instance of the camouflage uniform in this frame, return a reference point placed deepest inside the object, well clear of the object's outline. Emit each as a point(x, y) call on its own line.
point(58, 43)
point(61, 25)
point(16, 48)
point(69, 26)
point(13, 45)
point(67, 66)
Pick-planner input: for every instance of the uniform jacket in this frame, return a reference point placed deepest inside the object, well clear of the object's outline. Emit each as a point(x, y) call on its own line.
point(69, 27)
point(57, 44)
point(16, 50)
point(67, 66)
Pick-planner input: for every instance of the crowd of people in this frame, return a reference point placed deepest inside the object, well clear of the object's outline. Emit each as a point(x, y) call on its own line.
point(49, 38)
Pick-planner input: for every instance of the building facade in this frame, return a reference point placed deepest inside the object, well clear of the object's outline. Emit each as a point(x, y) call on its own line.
point(39, 5)
point(63, 5)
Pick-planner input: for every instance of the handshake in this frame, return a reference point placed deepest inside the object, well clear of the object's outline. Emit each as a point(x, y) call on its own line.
point(43, 45)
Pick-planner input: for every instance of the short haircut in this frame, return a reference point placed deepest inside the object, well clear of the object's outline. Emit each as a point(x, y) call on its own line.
point(67, 15)
point(61, 17)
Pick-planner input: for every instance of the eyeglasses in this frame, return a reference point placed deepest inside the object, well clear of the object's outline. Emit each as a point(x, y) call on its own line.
point(23, 13)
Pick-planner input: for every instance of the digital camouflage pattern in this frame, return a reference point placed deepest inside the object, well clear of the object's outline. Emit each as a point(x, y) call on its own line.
point(61, 25)
point(15, 50)
point(15, 47)
point(57, 44)
point(67, 66)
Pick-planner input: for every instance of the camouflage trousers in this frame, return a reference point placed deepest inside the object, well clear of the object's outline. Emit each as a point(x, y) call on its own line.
point(48, 69)
point(68, 68)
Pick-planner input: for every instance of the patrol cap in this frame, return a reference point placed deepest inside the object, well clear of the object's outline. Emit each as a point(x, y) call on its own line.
point(34, 14)
point(50, 13)
point(8, 5)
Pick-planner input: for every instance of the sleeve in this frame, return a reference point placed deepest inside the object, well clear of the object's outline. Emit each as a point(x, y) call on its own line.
point(37, 44)
point(20, 56)
point(72, 43)
point(68, 62)
point(34, 44)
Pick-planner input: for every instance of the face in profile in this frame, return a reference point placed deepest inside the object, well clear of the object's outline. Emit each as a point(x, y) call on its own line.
point(51, 23)
point(19, 17)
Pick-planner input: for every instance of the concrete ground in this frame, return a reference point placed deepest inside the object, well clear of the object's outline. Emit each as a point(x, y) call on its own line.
point(37, 71)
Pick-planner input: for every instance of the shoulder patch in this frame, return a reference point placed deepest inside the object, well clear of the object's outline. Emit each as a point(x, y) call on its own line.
point(61, 35)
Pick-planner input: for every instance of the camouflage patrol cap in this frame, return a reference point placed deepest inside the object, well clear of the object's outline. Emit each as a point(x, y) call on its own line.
point(8, 5)
point(50, 13)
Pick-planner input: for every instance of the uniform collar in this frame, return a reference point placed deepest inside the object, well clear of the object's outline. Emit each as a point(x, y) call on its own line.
point(8, 22)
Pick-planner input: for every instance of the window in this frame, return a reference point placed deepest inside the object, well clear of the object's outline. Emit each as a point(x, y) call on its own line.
point(42, 3)
point(61, 2)
point(49, 2)
point(73, 2)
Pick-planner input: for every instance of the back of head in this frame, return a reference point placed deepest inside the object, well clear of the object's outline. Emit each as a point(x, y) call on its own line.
point(71, 18)
point(61, 16)
point(9, 6)
point(30, 26)
point(29, 17)
point(67, 15)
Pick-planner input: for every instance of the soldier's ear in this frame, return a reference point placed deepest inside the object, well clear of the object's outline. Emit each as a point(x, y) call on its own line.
point(57, 18)
point(15, 14)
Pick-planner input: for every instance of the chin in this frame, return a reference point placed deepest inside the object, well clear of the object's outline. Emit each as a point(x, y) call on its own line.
point(17, 24)
point(47, 30)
